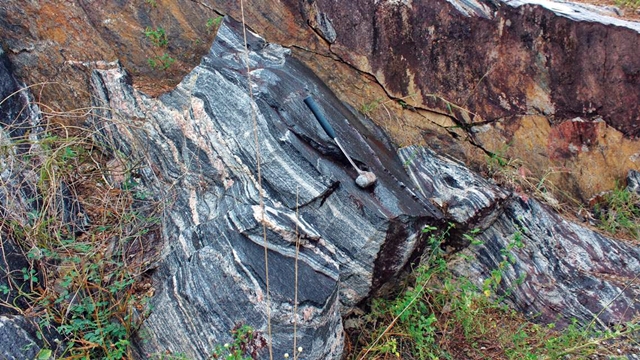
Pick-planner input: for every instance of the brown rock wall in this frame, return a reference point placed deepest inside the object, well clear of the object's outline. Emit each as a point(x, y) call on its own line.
point(521, 61)
point(501, 67)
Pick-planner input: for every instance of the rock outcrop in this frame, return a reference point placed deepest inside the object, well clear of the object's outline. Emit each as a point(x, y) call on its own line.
point(556, 270)
point(354, 240)
point(57, 44)
point(558, 82)
point(244, 172)
point(212, 144)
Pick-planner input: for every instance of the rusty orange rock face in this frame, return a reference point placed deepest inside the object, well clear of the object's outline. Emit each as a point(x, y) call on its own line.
point(494, 67)
point(570, 138)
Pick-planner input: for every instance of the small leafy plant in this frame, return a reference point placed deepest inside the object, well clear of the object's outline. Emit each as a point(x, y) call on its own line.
point(158, 36)
point(245, 346)
point(439, 315)
point(162, 62)
point(498, 160)
point(159, 39)
point(618, 212)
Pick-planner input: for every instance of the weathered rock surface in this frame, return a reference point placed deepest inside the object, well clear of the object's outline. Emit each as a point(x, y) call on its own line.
point(521, 73)
point(200, 160)
point(556, 81)
point(557, 270)
point(19, 340)
point(500, 59)
point(59, 43)
point(199, 141)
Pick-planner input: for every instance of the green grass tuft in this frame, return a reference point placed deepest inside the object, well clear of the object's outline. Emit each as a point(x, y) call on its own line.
point(83, 282)
point(618, 212)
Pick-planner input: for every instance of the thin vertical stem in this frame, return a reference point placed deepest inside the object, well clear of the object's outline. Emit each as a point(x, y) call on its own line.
point(295, 286)
point(260, 190)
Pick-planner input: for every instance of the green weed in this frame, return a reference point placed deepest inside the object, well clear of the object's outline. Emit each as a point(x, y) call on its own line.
point(84, 279)
point(159, 39)
point(498, 160)
point(618, 212)
point(439, 315)
point(162, 62)
point(245, 345)
point(158, 36)
point(369, 107)
point(631, 4)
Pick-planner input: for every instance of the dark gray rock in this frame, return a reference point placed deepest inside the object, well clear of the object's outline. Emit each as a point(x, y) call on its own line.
point(19, 340)
point(465, 197)
point(558, 271)
point(569, 272)
point(633, 181)
point(199, 146)
point(11, 263)
point(17, 113)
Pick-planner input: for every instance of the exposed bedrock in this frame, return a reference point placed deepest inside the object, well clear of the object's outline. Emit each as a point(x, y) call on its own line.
point(200, 142)
point(497, 59)
point(56, 44)
point(557, 82)
point(198, 156)
point(556, 270)
point(553, 84)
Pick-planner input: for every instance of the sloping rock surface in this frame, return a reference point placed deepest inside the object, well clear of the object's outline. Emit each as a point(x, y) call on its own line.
point(202, 143)
point(57, 43)
point(556, 81)
point(555, 270)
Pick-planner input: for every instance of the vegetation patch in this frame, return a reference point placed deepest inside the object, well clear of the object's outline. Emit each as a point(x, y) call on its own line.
point(245, 345)
point(439, 315)
point(213, 24)
point(618, 212)
point(89, 232)
point(632, 4)
point(159, 39)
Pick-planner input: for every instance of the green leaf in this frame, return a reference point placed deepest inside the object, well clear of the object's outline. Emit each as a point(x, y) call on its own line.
point(44, 354)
